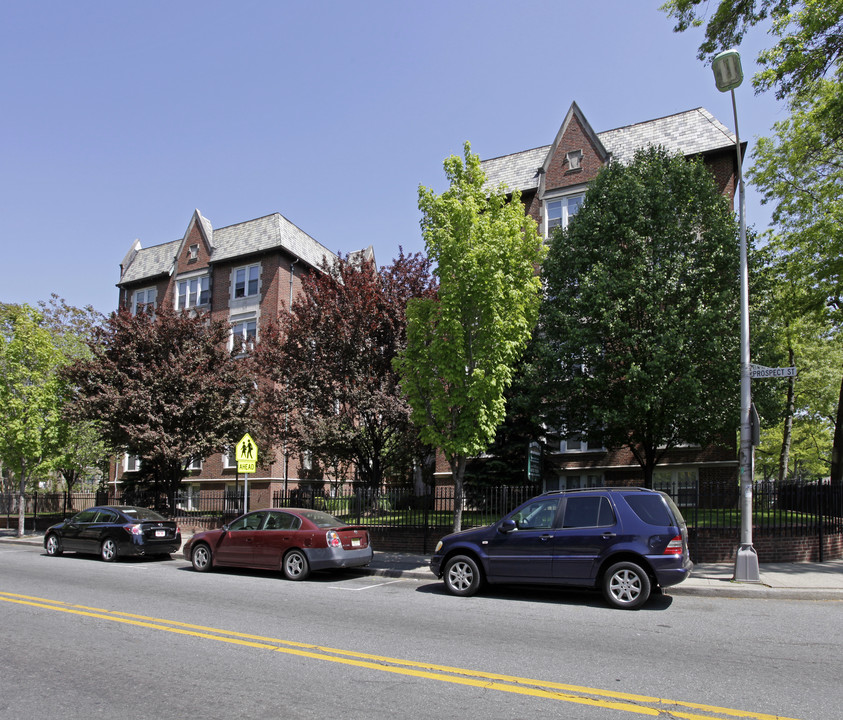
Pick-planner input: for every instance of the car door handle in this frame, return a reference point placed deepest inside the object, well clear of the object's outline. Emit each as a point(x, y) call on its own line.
point(607, 535)
point(545, 538)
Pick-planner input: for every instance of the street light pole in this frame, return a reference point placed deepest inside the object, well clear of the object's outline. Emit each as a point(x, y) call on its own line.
point(728, 75)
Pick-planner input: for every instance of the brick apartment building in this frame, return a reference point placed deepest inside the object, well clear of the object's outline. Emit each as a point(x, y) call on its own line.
point(553, 180)
point(250, 272)
point(243, 274)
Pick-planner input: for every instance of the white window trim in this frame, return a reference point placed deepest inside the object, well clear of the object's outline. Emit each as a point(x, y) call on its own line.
point(563, 445)
point(555, 197)
point(126, 459)
point(229, 462)
point(246, 294)
point(245, 345)
point(145, 291)
point(187, 277)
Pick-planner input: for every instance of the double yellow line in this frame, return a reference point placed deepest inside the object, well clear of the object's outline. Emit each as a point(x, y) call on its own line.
point(636, 704)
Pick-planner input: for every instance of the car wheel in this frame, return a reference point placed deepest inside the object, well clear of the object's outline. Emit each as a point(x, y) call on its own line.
point(462, 576)
point(108, 550)
point(626, 585)
point(53, 545)
point(295, 565)
point(201, 558)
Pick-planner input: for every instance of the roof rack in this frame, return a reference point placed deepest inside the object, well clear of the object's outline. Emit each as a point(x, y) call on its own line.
point(614, 488)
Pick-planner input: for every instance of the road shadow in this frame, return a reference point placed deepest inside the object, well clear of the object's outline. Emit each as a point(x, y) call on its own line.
point(548, 595)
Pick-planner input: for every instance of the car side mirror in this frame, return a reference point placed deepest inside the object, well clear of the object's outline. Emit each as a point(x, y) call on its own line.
point(507, 526)
point(225, 528)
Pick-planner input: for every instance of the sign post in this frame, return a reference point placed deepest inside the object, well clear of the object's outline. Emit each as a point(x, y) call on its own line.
point(246, 454)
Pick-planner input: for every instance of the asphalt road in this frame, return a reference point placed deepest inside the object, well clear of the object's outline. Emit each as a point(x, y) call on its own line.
point(154, 639)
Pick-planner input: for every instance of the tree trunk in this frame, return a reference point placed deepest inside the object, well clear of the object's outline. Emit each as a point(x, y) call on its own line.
point(787, 435)
point(836, 464)
point(22, 505)
point(457, 464)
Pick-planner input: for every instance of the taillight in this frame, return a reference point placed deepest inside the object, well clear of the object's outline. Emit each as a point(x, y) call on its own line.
point(674, 547)
point(135, 529)
point(333, 538)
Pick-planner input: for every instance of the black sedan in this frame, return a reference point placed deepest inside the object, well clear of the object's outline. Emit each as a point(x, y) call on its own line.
point(114, 530)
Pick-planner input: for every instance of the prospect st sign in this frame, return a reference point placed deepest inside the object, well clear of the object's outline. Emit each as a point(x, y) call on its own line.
point(759, 371)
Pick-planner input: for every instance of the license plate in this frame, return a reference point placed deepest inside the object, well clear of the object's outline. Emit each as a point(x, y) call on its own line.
point(160, 533)
point(355, 542)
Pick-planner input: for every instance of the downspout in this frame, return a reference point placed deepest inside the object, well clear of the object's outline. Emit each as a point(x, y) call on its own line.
point(287, 390)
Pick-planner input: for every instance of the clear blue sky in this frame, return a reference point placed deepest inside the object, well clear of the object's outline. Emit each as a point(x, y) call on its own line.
point(119, 118)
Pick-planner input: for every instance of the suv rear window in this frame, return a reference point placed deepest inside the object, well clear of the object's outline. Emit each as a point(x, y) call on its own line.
point(650, 508)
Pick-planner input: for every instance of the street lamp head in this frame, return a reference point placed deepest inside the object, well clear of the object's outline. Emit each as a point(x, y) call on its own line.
point(728, 73)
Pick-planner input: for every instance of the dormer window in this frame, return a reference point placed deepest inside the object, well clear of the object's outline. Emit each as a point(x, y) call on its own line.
point(193, 252)
point(193, 292)
point(574, 159)
point(559, 211)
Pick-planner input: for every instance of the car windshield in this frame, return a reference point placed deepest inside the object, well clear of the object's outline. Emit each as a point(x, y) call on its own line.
point(320, 519)
point(138, 513)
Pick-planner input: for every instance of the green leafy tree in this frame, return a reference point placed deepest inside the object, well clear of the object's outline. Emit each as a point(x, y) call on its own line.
point(462, 346)
point(164, 387)
point(809, 35)
point(32, 394)
point(798, 170)
point(81, 449)
point(639, 327)
point(331, 389)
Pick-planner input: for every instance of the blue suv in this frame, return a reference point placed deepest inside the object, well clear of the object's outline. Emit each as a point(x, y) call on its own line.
point(626, 541)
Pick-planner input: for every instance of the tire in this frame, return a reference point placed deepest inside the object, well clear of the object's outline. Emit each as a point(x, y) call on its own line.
point(462, 576)
point(53, 545)
point(626, 585)
point(201, 558)
point(108, 550)
point(295, 565)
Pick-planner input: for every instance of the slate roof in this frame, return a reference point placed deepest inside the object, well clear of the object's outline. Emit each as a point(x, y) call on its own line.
point(691, 132)
point(247, 238)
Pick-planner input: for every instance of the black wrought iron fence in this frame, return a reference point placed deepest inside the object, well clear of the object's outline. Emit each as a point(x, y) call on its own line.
point(804, 508)
point(405, 507)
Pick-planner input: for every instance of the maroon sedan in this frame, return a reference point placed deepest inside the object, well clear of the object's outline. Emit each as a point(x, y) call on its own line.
point(294, 540)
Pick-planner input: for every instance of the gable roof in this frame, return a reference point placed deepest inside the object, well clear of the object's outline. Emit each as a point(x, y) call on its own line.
point(692, 132)
point(270, 232)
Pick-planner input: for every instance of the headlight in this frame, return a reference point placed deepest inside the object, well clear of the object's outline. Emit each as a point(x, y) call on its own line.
point(438, 546)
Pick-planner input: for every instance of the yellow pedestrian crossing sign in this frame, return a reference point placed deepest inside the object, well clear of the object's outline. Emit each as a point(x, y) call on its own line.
point(246, 454)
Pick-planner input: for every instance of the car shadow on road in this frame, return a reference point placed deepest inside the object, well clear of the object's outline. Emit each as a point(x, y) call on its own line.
point(547, 595)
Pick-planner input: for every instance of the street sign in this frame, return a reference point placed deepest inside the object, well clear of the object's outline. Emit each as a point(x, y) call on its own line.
point(759, 371)
point(246, 454)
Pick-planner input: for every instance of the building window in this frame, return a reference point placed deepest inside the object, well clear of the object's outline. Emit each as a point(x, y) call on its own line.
point(246, 281)
point(244, 333)
point(574, 159)
point(193, 292)
point(131, 463)
point(188, 498)
point(559, 211)
point(573, 482)
point(193, 252)
point(229, 461)
point(577, 443)
point(681, 485)
point(144, 300)
point(194, 465)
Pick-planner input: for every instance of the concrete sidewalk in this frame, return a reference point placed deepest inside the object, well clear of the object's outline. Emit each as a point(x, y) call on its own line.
point(782, 581)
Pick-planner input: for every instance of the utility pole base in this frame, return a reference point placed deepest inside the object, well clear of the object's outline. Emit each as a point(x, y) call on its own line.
point(746, 565)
